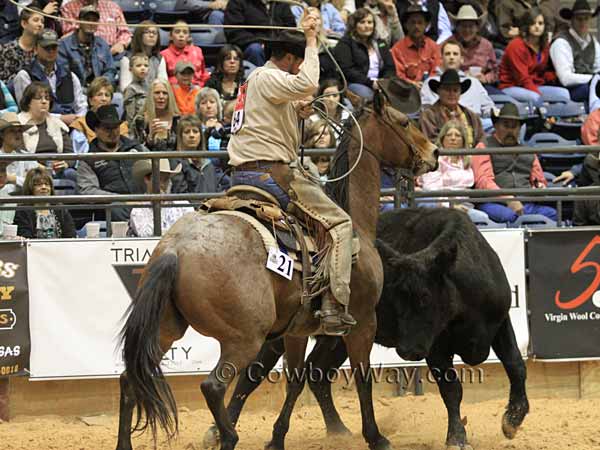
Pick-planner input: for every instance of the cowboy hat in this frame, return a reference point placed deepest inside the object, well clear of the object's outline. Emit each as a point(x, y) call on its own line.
point(449, 78)
point(10, 120)
point(509, 111)
point(468, 13)
point(415, 9)
point(106, 115)
point(402, 95)
point(290, 41)
point(579, 7)
point(143, 167)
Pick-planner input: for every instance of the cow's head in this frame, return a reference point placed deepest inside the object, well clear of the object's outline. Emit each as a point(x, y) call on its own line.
point(415, 304)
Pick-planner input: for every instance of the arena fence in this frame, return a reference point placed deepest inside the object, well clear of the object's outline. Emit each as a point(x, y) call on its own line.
point(403, 192)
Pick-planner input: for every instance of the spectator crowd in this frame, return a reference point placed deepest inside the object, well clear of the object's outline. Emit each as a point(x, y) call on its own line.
point(485, 71)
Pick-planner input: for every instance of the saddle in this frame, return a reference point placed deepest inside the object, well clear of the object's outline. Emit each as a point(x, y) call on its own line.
point(306, 245)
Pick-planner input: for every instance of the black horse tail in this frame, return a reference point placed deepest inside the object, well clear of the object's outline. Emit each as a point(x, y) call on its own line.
point(141, 348)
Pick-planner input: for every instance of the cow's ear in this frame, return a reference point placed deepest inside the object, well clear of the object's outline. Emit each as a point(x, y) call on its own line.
point(446, 256)
point(387, 252)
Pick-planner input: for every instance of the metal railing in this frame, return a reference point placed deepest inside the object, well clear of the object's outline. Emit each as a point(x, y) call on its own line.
point(404, 190)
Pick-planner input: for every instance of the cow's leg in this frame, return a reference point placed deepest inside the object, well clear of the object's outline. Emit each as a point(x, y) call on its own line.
point(329, 354)
point(250, 378)
point(295, 349)
point(505, 346)
point(441, 366)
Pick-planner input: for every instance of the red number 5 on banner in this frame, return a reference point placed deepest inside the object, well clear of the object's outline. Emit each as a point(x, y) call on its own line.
point(578, 265)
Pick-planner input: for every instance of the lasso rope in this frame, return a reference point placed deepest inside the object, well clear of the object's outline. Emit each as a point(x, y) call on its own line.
point(322, 44)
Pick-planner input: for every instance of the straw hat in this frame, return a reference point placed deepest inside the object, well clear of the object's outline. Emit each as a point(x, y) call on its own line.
point(143, 167)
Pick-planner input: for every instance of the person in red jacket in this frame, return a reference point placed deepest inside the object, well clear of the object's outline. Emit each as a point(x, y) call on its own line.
point(180, 49)
point(525, 71)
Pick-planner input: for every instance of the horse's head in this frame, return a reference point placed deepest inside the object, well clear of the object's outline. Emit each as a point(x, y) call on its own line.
point(394, 139)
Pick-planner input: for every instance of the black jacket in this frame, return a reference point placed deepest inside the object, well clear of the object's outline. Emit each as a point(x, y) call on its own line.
point(192, 178)
point(254, 12)
point(353, 58)
point(115, 175)
point(26, 223)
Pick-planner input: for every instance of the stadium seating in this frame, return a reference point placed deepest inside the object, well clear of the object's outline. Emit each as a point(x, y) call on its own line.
point(555, 163)
point(487, 223)
point(533, 221)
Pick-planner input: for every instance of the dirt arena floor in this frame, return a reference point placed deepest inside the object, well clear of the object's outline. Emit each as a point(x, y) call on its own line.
point(411, 423)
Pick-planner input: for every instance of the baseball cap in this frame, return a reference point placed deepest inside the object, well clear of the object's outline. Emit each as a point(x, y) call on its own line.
point(48, 38)
point(89, 10)
point(183, 65)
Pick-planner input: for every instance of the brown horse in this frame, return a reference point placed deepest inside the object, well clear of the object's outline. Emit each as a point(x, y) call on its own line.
point(209, 272)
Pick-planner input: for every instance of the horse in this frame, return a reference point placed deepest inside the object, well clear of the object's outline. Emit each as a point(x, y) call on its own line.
point(445, 292)
point(208, 272)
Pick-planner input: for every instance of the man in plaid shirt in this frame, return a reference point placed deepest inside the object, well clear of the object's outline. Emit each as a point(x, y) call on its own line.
point(118, 37)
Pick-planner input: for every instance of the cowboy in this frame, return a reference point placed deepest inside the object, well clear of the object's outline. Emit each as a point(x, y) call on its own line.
point(509, 171)
point(141, 221)
point(263, 152)
point(11, 141)
point(576, 54)
point(438, 28)
point(416, 56)
point(475, 98)
point(450, 88)
point(108, 177)
point(479, 57)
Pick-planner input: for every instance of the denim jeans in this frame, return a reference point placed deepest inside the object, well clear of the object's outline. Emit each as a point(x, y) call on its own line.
point(527, 96)
point(503, 214)
point(362, 90)
point(255, 54)
point(263, 181)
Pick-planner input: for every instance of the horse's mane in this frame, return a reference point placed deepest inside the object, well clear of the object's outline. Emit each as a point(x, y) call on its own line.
point(338, 191)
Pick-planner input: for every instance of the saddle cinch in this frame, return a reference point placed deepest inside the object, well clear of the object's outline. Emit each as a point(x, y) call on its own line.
point(294, 235)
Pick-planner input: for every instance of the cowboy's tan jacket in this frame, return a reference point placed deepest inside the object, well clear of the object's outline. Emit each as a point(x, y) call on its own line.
point(269, 128)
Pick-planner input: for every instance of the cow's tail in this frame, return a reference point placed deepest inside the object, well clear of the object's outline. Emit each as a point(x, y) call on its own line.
point(142, 353)
point(438, 256)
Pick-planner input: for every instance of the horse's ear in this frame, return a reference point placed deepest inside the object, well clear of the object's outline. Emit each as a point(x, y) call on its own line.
point(356, 100)
point(379, 101)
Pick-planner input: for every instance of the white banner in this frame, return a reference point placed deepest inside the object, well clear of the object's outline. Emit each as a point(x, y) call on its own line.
point(80, 290)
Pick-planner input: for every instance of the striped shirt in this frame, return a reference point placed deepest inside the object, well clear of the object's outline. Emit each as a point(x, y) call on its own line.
point(110, 13)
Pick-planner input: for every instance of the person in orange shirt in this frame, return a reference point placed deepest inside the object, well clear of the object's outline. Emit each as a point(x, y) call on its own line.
point(416, 56)
point(185, 92)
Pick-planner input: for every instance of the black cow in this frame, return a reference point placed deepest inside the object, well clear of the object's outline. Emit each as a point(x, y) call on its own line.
point(445, 293)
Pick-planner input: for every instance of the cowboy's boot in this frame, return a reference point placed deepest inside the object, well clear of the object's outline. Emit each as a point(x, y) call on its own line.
point(335, 318)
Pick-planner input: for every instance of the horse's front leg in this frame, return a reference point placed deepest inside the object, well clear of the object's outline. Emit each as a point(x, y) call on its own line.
point(359, 344)
point(295, 349)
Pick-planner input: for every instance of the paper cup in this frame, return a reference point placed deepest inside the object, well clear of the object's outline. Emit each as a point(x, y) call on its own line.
point(9, 231)
point(92, 230)
point(474, 71)
point(119, 229)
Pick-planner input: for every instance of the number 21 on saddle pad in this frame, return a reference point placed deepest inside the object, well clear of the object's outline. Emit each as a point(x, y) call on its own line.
point(280, 263)
point(238, 111)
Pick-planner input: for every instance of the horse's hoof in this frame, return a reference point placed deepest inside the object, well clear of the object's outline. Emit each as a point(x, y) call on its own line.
point(459, 447)
point(509, 430)
point(273, 446)
point(382, 444)
point(211, 438)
